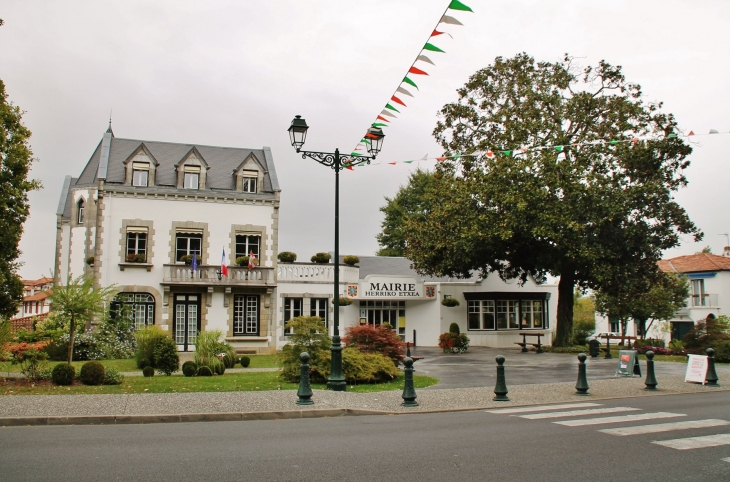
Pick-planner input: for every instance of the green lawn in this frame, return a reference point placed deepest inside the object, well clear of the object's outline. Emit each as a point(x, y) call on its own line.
point(230, 382)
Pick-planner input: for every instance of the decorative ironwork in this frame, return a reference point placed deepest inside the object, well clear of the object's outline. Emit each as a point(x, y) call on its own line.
point(330, 159)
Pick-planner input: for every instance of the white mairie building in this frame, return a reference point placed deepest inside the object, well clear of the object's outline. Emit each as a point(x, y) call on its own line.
point(139, 208)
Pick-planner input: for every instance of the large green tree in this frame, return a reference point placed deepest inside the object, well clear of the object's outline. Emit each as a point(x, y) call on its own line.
point(410, 199)
point(582, 211)
point(15, 161)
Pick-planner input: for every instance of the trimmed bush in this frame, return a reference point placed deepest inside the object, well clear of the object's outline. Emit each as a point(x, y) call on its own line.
point(359, 367)
point(112, 377)
point(92, 373)
point(454, 328)
point(287, 257)
point(450, 302)
point(205, 371)
point(147, 339)
point(565, 349)
point(148, 372)
point(350, 260)
point(322, 258)
point(376, 339)
point(63, 374)
point(189, 368)
point(166, 358)
point(245, 361)
point(454, 342)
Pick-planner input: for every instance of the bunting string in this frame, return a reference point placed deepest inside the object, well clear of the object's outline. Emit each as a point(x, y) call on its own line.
point(390, 110)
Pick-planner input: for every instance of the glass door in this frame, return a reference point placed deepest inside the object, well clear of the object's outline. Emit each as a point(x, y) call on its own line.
point(187, 321)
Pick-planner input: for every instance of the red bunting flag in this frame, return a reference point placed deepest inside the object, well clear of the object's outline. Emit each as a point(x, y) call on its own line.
point(380, 117)
point(490, 154)
point(349, 168)
point(398, 101)
point(691, 133)
point(393, 163)
point(371, 136)
point(415, 70)
point(436, 32)
point(441, 159)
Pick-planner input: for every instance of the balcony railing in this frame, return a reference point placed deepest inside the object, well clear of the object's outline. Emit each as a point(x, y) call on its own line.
point(703, 300)
point(207, 275)
point(316, 272)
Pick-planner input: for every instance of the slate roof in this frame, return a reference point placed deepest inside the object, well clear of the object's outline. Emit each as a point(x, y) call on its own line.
point(392, 266)
point(695, 263)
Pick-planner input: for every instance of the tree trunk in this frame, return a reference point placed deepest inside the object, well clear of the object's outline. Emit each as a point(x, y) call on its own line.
point(71, 340)
point(564, 332)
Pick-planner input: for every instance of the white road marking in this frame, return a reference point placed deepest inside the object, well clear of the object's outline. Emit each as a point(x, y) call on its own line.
point(543, 408)
point(696, 442)
point(727, 459)
point(665, 427)
point(619, 419)
point(577, 413)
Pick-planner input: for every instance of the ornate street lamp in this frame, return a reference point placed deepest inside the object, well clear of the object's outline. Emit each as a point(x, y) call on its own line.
point(374, 138)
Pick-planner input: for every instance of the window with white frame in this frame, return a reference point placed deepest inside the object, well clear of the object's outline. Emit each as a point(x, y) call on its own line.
point(507, 314)
point(247, 244)
point(136, 245)
point(246, 315)
point(248, 181)
point(318, 307)
point(140, 174)
point(531, 313)
point(138, 307)
point(187, 243)
point(80, 207)
point(480, 315)
point(292, 309)
point(496, 314)
point(376, 312)
point(191, 179)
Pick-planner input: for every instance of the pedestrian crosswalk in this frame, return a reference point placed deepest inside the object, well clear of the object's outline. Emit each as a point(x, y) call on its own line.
point(585, 414)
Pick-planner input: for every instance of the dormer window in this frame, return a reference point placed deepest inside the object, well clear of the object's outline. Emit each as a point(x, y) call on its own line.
point(140, 174)
point(249, 180)
point(192, 177)
point(80, 208)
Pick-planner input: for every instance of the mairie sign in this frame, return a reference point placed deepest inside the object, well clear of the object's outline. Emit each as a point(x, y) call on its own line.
point(392, 288)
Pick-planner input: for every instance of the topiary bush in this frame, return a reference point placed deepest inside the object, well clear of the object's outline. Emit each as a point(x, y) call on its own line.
point(205, 371)
point(166, 358)
point(189, 368)
point(92, 373)
point(287, 257)
point(245, 361)
point(454, 328)
point(322, 258)
point(112, 377)
point(350, 260)
point(63, 374)
point(148, 372)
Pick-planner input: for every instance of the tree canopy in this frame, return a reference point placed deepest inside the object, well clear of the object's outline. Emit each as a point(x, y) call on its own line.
point(16, 158)
point(599, 204)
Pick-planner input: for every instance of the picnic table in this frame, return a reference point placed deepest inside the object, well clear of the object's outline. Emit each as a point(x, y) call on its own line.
point(524, 343)
point(608, 339)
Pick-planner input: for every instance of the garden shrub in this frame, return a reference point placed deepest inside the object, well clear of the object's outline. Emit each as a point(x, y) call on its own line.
point(310, 335)
point(676, 345)
point(229, 358)
point(359, 367)
point(112, 376)
point(350, 260)
point(242, 261)
point(376, 339)
point(708, 333)
point(650, 342)
point(722, 352)
point(220, 369)
point(454, 342)
point(147, 339)
point(245, 361)
point(165, 356)
point(565, 349)
point(659, 350)
point(63, 374)
point(92, 373)
point(30, 357)
point(287, 257)
point(454, 328)
point(189, 368)
point(582, 329)
point(322, 258)
point(113, 338)
point(205, 371)
point(208, 346)
point(148, 371)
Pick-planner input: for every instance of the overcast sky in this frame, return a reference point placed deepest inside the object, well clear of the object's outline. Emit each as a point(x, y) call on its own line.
point(234, 73)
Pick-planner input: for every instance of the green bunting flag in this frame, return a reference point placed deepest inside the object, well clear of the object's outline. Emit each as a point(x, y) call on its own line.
point(507, 153)
point(388, 106)
point(613, 143)
point(559, 148)
point(380, 124)
point(672, 136)
point(457, 5)
point(407, 162)
point(410, 82)
point(398, 101)
point(431, 47)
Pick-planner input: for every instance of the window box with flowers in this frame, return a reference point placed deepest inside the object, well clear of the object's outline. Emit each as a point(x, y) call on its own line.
point(135, 260)
point(344, 301)
point(450, 302)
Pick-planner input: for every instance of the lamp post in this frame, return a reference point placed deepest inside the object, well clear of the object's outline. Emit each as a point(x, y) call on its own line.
point(337, 161)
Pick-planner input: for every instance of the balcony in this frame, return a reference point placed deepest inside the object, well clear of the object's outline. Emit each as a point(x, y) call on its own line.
point(703, 301)
point(316, 272)
point(180, 274)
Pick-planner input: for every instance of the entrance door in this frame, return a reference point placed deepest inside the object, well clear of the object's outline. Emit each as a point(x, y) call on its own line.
point(187, 321)
point(680, 328)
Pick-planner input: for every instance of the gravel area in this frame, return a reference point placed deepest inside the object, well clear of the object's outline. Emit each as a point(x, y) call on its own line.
point(229, 402)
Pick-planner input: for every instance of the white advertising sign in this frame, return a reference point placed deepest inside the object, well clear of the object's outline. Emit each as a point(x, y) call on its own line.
point(696, 369)
point(375, 287)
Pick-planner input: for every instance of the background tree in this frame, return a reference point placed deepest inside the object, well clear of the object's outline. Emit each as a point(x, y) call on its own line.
point(79, 302)
point(582, 213)
point(16, 158)
point(410, 199)
point(584, 317)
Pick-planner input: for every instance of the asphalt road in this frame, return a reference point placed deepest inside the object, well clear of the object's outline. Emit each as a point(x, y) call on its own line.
point(428, 447)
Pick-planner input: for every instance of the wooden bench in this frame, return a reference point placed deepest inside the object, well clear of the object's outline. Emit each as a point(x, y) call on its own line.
point(524, 342)
point(408, 353)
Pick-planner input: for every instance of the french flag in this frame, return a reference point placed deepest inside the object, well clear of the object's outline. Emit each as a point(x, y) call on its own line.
point(224, 268)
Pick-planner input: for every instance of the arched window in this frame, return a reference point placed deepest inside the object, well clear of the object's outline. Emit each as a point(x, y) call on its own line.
point(81, 204)
point(139, 307)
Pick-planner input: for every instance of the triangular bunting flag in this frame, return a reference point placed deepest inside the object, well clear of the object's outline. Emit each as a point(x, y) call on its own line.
point(613, 143)
point(392, 163)
point(490, 154)
point(388, 113)
point(365, 141)
point(398, 101)
point(671, 136)
point(388, 106)
point(404, 91)
point(441, 159)
point(407, 162)
point(410, 82)
point(559, 148)
point(355, 154)
point(691, 133)
point(436, 32)
point(417, 71)
point(457, 5)
point(507, 153)
point(713, 131)
point(380, 117)
point(424, 158)
point(379, 124)
point(432, 48)
point(349, 168)
point(450, 20)
point(423, 58)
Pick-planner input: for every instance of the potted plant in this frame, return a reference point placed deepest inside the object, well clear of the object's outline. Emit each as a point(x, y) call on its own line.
point(242, 261)
point(90, 261)
point(187, 259)
point(136, 258)
point(450, 302)
point(344, 301)
point(350, 260)
point(322, 258)
point(287, 257)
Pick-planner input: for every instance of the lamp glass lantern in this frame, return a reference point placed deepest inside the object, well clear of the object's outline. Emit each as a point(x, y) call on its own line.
point(298, 132)
point(376, 136)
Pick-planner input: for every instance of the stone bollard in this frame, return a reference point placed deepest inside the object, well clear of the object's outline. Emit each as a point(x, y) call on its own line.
point(305, 390)
point(650, 382)
point(711, 377)
point(500, 390)
point(409, 392)
point(582, 385)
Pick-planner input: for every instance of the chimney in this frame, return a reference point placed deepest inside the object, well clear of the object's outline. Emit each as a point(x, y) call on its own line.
point(726, 251)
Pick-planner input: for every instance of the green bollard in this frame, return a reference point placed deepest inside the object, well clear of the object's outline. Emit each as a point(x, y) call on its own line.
point(582, 385)
point(500, 390)
point(650, 382)
point(409, 392)
point(711, 377)
point(305, 390)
